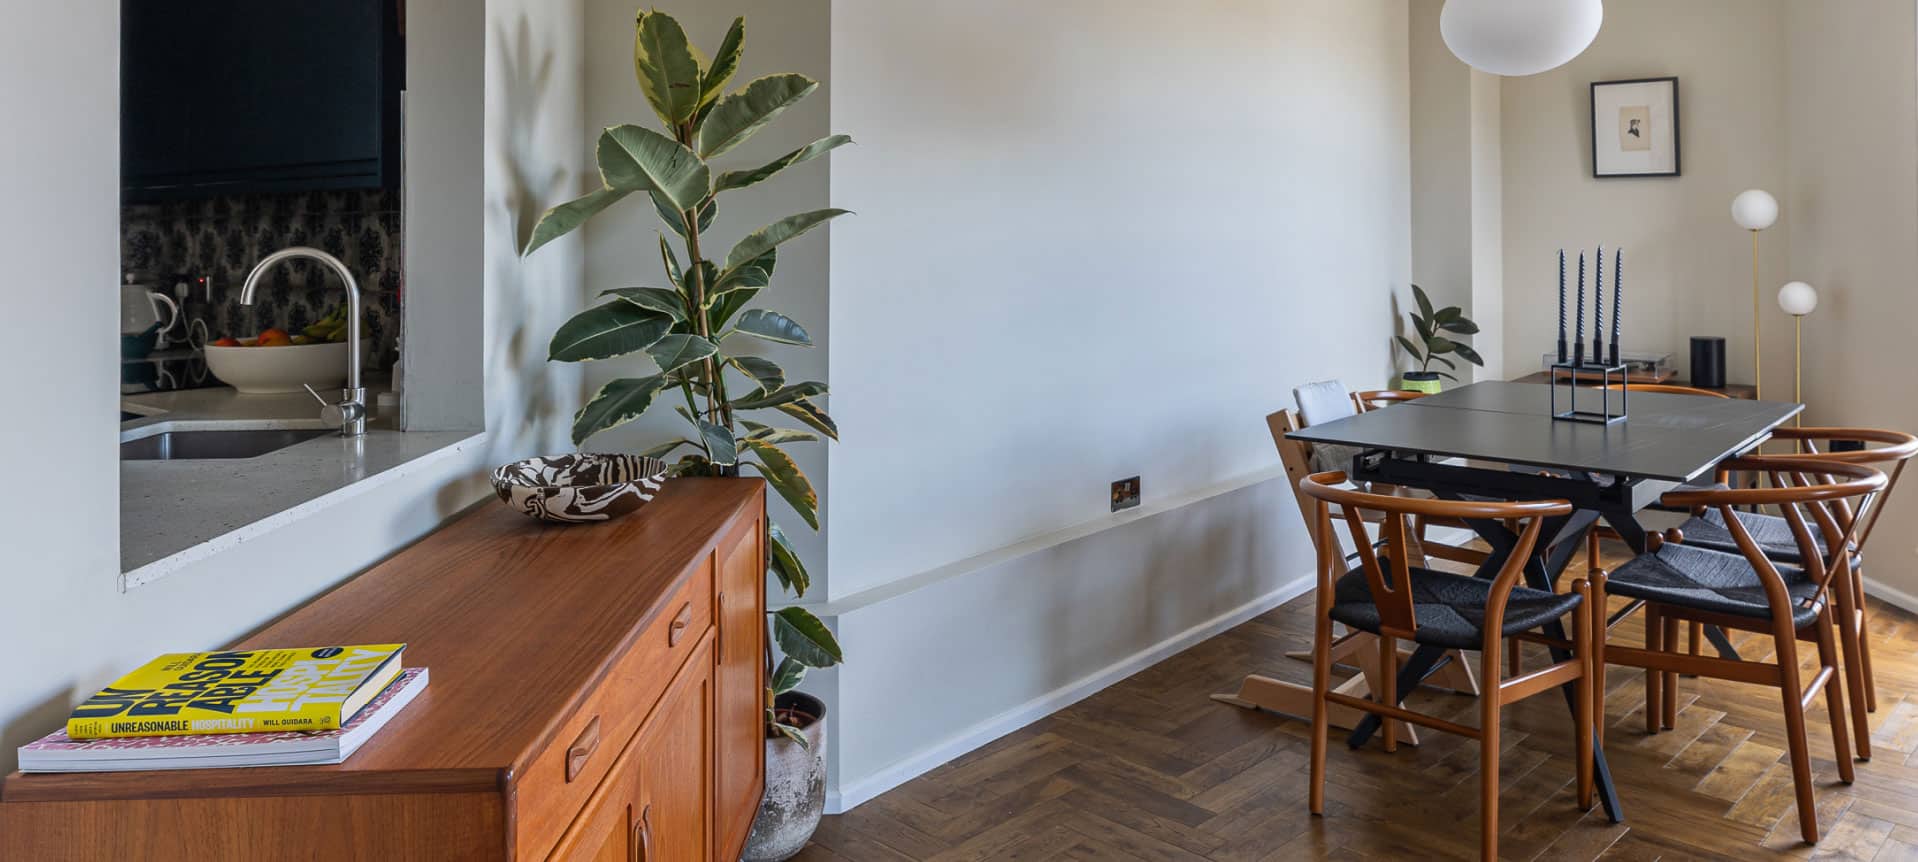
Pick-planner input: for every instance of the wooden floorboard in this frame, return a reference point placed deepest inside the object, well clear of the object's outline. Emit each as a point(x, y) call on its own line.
point(1151, 769)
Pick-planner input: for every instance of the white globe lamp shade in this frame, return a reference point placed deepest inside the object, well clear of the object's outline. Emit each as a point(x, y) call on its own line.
point(1754, 209)
point(1519, 37)
point(1798, 299)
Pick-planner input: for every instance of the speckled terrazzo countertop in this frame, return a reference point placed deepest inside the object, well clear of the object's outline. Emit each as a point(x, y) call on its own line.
point(173, 513)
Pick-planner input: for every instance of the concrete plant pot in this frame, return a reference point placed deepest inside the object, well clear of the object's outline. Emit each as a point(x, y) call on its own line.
point(795, 785)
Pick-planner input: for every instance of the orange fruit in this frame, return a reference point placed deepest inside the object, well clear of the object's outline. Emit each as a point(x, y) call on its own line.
point(273, 338)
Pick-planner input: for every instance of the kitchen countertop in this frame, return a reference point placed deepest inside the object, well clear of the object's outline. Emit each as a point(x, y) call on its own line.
point(173, 513)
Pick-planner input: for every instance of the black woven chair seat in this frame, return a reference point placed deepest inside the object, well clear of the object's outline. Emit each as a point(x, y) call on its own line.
point(1450, 609)
point(1708, 580)
point(1771, 532)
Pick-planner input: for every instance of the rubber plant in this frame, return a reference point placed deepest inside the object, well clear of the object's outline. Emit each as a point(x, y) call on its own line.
point(687, 327)
point(1432, 327)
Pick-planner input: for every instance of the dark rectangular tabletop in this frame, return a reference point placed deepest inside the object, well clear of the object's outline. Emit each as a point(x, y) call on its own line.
point(1673, 438)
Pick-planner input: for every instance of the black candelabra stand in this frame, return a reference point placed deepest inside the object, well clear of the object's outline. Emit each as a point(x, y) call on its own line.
point(1570, 370)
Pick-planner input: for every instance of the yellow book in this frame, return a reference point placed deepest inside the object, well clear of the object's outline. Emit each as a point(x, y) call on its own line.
point(244, 691)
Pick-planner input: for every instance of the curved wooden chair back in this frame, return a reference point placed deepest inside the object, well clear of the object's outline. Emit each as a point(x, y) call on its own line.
point(1893, 451)
point(1392, 593)
point(1374, 399)
point(1667, 388)
point(1830, 491)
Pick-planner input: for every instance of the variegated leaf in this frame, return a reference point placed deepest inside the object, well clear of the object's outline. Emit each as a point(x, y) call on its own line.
point(659, 299)
point(616, 403)
point(772, 326)
point(567, 217)
point(736, 117)
point(731, 180)
point(667, 69)
point(605, 331)
point(780, 396)
point(637, 159)
point(674, 352)
point(787, 479)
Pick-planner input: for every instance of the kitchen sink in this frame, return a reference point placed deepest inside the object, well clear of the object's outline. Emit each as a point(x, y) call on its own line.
point(208, 445)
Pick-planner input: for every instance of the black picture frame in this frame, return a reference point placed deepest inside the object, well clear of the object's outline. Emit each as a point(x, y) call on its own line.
point(1677, 130)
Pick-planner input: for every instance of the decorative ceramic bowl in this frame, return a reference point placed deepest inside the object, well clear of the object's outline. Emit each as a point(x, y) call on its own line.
point(278, 370)
point(580, 488)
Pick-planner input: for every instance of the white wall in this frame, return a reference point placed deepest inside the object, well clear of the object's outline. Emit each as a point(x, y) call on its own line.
point(1096, 241)
point(1687, 266)
point(63, 623)
point(1851, 203)
point(621, 249)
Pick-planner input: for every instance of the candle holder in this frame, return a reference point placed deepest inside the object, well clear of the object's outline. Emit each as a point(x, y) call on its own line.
point(1609, 376)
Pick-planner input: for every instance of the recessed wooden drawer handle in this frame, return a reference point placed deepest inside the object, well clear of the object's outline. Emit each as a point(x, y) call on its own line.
point(582, 749)
point(643, 836)
point(680, 622)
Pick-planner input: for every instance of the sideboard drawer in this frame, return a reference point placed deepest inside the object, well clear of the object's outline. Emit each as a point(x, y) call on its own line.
point(565, 772)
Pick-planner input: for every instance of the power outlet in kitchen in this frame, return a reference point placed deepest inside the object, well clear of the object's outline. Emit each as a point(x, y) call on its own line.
point(1125, 494)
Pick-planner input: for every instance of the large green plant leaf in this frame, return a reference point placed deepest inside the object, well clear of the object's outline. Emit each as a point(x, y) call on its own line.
point(763, 371)
point(731, 180)
point(777, 397)
point(660, 299)
point(772, 326)
point(752, 276)
point(1417, 355)
point(787, 677)
point(1439, 344)
point(809, 413)
point(707, 212)
point(664, 449)
point(617, 403)
point(782, 436)
point(668, 71)
point(637, 159)
point(804, 639)
point(567, 217)
point(1467, 353)
point(724, 64)
point(719, 443)
point(674, 352)
point(767, 238)
point(670, 261)
point(1460, 326)
point(787, 479)
point(736, 117)
point(1425, 303)
point(606, 331)
point(785, 562)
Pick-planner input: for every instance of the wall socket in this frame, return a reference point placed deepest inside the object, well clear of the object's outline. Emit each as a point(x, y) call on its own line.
point(1125, 494)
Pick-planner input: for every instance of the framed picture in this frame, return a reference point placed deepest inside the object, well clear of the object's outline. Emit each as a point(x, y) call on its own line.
point(1635, 128)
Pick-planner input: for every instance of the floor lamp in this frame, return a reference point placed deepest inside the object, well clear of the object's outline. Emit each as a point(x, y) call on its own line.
point(1798, 299)
point(1755, 210)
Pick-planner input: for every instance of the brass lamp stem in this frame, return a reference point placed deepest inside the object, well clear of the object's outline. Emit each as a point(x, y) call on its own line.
point(1758, 365)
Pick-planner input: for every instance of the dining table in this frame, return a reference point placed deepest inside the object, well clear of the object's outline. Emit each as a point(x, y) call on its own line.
point(1500, 440)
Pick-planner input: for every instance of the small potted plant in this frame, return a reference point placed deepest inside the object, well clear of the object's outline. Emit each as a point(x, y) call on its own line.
point(697, 329)
point(1433, 345)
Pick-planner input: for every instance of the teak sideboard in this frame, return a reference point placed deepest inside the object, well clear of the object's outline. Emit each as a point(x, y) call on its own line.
point(596, 693)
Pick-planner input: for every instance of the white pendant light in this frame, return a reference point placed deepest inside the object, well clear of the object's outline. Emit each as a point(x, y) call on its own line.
point(1519, 37)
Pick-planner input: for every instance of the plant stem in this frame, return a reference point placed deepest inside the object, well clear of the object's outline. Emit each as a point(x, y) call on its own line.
point(719, 412)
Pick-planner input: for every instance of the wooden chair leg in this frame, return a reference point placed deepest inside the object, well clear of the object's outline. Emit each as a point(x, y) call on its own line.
point(1582, 705)
point(1669, 713)
point(1654, 681)
point(1599, 612)
point(1854, 668)
point(1488, 745)
point(1791, 689)
point(1388, 673)
point(1834, 701)
point(1512, 661)
point(1321, 721)
point(1864, 640)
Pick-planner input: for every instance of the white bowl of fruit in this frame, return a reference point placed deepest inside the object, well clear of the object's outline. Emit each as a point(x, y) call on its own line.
point(275, 362)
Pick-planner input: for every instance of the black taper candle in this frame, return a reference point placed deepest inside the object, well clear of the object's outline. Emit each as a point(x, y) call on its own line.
point(1598, 308)
point(1578, 327)
point(1561, 306)
point(1618, 290)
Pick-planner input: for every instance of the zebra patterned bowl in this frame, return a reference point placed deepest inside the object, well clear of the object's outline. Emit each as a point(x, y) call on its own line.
point(580, 488)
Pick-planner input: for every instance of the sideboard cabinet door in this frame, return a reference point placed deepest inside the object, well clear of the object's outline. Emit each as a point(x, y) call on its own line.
point(741, 684)
point(675, 756)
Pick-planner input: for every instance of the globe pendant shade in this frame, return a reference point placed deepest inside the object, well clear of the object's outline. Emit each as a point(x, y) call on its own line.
point(1519, 37)
point(1798, 299)
point(1754, 209)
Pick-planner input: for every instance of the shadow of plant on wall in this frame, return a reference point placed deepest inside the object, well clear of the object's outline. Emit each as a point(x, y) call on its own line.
point(684, 326)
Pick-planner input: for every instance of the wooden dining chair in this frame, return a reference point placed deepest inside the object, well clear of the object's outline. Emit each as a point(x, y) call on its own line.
point(1377, 399)
point(1666, 388)
point(1391, 598)
point(1889, 452)
point(1748, 591)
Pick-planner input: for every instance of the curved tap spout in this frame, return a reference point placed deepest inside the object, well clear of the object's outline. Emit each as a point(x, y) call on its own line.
point(352, 405)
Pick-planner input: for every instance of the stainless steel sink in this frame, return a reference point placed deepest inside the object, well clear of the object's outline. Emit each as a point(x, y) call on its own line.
point(207, 445)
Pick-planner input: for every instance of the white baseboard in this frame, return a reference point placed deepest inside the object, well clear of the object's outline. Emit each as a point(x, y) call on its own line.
point(1885, 593)
point(845, 799)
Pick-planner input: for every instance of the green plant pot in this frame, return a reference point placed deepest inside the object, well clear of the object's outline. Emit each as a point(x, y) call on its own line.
point(1420, 381)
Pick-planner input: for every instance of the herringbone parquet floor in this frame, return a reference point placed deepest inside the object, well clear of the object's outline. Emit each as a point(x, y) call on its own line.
point(1152, 769)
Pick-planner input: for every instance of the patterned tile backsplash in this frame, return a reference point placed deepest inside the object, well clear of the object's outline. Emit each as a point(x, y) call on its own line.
point(223, 237)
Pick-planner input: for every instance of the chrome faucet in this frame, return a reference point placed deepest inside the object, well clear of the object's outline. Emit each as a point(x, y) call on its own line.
point(350, 411)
